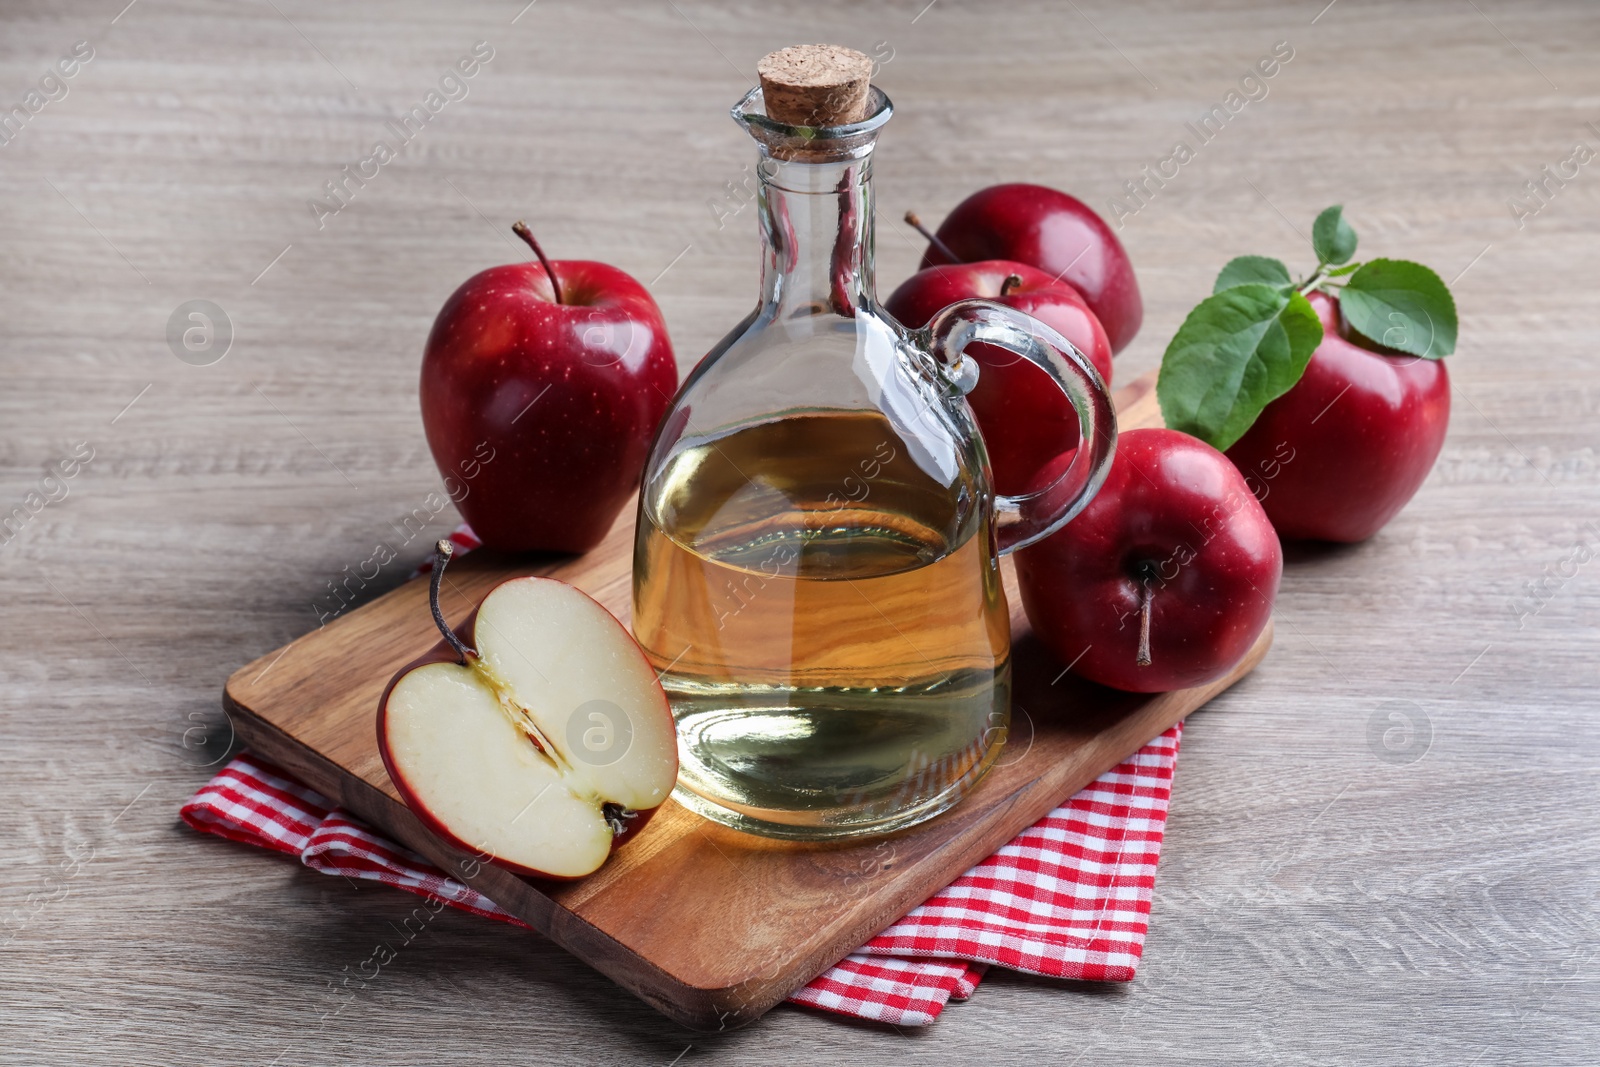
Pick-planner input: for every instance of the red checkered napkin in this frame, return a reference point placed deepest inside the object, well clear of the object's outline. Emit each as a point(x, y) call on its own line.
point(1069, 897)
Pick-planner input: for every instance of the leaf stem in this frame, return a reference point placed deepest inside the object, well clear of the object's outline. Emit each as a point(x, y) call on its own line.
point(1322, 277)
point(1310, 283)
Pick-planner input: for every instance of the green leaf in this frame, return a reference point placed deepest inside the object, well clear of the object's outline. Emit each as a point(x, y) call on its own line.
point(1304, 328)
point(1332, 238)
point(1401, 305)
point(1340, 272)
point(1247, 269)
point(1238, 350)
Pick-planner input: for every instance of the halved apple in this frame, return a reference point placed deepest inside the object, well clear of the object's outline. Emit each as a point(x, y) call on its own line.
point(538, 735)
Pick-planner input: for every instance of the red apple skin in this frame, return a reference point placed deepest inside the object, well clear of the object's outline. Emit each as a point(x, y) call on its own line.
point(1053, 302)
point(1057, 233)
point(599, 372)
point(1173, 508)
point(1338, 455)
point(443, 653)
point(1026, 420)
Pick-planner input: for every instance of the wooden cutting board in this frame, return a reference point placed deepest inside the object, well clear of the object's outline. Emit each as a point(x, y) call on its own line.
point(709, 926)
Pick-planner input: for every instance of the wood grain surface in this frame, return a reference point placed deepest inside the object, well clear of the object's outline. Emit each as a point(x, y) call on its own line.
point(1383, 844)
point(709, 926)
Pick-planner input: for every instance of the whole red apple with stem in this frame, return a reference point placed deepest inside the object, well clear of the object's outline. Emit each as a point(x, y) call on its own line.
point(542, 385)
point(1329, 392)
point(1026, 421)
point(1166, 579)
point(536, 736)
point(1339, 454)
point(1057, 233)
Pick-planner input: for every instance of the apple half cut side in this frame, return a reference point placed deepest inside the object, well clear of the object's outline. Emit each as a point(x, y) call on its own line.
point(538, 737)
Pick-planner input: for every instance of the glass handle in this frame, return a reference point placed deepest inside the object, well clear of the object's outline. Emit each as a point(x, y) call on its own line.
point(1023, 519)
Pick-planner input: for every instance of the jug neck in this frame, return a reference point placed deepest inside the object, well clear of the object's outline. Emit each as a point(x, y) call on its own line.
point(816, 236)
point(814, 203)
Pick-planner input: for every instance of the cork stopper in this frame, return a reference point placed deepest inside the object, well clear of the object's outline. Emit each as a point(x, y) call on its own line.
point(815, 85)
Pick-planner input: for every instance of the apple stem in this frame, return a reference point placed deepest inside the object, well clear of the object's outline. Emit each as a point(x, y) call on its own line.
point(1143, 658)
point(1318, 279)
point(1011, 282)
point(442, 553)
point(520, 228)
point(933, 238)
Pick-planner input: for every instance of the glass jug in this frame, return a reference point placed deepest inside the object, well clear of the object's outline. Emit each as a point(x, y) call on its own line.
point(816, 570)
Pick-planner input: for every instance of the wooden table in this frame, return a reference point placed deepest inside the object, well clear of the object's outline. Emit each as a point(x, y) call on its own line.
point(1330, 892)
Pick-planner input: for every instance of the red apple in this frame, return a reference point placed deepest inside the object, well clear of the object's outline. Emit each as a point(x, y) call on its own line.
point(1338, 455)
point(1059, 234)
point(542, 385)
point(1028, 289)
point(1026, 420)
point(1166, 579)
point(537, 735)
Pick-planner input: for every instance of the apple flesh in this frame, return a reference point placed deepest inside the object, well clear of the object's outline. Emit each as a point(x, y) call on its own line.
point(1166, 579)
point(1058, 234)
point(538, 735)
point(1338, 455)
point(540, 401)
point(1026, 420)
